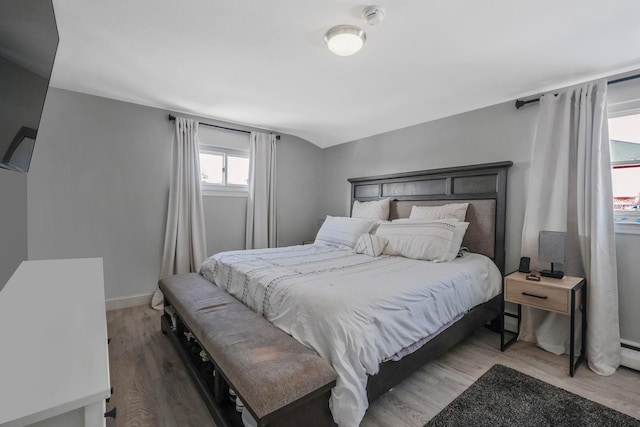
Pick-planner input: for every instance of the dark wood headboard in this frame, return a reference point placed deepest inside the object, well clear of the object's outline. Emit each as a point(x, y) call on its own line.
point(484, 186)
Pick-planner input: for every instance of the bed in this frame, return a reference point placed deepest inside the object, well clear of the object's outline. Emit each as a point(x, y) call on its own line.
point(374, 339)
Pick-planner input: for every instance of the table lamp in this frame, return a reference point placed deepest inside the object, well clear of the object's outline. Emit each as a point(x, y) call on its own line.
point(551, 248)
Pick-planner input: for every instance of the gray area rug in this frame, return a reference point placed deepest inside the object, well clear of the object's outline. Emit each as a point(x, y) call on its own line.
point(505, 397)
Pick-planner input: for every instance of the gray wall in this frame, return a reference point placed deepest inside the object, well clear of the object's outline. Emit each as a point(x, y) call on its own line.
point(299, 189)
point(487, 135)
point(13, 222)
point(225, 219)
point(98, 186)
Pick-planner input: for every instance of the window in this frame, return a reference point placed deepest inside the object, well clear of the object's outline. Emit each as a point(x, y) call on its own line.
point(624, 134)
point(224, 170)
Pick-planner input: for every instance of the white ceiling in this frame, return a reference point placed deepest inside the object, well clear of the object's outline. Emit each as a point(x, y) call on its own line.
point(265, 64)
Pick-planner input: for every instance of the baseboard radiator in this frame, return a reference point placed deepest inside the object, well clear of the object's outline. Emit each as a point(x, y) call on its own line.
point(631, 354)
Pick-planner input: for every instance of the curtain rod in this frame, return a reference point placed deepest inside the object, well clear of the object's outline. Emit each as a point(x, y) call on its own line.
point(520, 103)
point(172, 118)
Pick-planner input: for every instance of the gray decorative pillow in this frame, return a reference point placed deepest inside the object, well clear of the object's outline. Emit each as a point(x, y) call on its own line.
point(370, 244)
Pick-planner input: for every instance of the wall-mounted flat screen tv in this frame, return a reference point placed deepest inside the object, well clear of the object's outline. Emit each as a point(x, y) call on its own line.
point(28, 44)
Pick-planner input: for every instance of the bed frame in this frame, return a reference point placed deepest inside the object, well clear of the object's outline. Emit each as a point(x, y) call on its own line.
point(484, 187)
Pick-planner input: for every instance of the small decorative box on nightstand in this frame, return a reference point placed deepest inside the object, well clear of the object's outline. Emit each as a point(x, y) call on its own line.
point(557, 295)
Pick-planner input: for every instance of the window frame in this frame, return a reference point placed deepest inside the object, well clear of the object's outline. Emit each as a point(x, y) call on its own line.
point(224, 189)
point(625, 221)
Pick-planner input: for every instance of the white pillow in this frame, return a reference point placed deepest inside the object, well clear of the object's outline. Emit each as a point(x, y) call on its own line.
point(370, 244)
point(342, 232)
point(432, 213)
point(377, 209)
point(437, 241)
point(458, 234)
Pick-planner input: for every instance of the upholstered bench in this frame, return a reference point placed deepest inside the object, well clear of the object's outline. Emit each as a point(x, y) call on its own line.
point(281, 381)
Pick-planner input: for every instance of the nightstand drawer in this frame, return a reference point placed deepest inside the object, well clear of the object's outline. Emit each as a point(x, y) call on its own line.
point(540, 296)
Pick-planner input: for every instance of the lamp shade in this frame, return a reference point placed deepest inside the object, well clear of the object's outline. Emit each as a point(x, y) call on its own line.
point(551, 246)
point(345, 40)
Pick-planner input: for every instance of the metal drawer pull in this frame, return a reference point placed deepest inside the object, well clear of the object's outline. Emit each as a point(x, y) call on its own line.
point(111, 413)
point(535, 296)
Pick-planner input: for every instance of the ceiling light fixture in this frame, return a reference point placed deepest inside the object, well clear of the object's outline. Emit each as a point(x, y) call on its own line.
point(345, 40)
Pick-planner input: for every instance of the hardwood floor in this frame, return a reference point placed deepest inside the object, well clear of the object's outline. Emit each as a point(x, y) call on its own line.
point(150, 385)
point(152, 388)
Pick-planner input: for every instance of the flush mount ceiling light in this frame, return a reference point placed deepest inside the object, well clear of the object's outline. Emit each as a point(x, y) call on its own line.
point(345, 40)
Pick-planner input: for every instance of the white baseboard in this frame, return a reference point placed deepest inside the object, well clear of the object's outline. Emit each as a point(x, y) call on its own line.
point(631, 358)
point(130, 301)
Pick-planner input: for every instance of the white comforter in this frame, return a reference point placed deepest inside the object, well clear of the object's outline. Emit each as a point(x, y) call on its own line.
point(354, 310)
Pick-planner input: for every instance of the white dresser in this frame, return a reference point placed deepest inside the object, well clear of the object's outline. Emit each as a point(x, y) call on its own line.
point(54, 363)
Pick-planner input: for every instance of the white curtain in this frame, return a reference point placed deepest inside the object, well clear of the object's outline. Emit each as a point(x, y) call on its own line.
point(185, 246)
point(261, 200)
point(570, 190)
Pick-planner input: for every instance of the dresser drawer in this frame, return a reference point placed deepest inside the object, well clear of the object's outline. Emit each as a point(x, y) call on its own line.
point(537, 295)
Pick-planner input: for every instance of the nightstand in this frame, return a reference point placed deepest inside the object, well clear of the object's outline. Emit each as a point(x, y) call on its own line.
point(556, 295)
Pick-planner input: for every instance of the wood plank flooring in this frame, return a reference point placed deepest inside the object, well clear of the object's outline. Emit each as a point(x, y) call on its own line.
point(152, 388)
